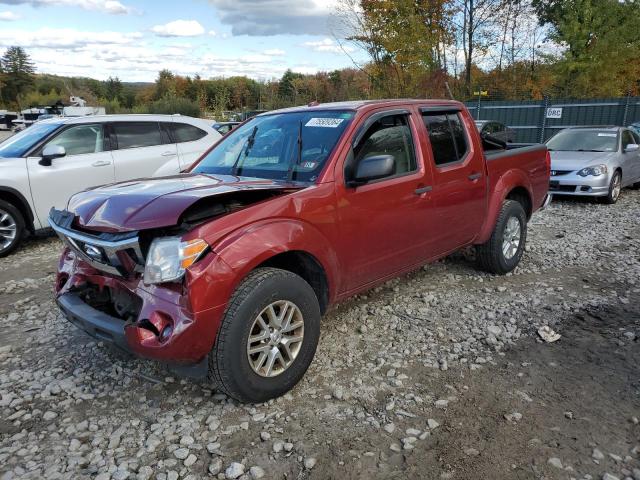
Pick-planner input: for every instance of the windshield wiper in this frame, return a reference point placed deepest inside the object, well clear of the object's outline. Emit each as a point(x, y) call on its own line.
point(236, 167)
point(292, 165)
point(587, 150)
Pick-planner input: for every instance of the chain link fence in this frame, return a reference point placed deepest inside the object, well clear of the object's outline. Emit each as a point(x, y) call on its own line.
point(535, 121)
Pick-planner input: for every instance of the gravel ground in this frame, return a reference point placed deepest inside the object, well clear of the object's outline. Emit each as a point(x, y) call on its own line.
point(4, 134)
point(436, 375)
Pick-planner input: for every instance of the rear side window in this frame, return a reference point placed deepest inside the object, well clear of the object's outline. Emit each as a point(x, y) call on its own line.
point(136, 135)
point(390, 135)
point(446, 133)
point(183, 132)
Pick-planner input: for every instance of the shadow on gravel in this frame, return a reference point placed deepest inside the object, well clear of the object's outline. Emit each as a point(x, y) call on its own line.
point(575, 395)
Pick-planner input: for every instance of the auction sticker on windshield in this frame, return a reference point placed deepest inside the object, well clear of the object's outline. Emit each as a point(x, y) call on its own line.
point(613, 135)
point(324, 122)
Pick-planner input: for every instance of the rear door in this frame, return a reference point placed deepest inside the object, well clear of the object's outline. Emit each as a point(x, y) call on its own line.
point(385, 225)
point(190, 140)
point(87, 163)
point(142, 147)
point(459, 179)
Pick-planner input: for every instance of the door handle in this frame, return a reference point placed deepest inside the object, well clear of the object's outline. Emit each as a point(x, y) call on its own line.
point(474, 176)
point(421, 190)
point(101, 163)
point(169, 154)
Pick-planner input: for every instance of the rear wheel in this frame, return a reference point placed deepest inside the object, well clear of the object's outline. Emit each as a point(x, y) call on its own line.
point(267, 338)
point(503, 251)
point(11, 228)
point(615, 187)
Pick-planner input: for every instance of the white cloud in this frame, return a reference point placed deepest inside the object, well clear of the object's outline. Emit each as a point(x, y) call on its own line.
point(328, 45)
point(113, 7)
point(212, 33)
point(63, 38)
point(179, 28)
point(8, 16)
point(275, 17)
point(275, 52)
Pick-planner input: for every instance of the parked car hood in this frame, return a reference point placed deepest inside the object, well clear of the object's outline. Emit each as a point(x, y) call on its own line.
point(157, 202)
point(578, 160)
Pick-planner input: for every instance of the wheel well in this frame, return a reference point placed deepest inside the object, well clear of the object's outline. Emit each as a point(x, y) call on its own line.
point(521, 195)
point(306, 266)
point(18, 201)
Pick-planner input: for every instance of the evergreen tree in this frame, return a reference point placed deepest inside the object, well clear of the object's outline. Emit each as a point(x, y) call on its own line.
point(17, 74)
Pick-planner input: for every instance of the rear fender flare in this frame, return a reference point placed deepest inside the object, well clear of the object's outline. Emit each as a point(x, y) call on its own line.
point(510, 180)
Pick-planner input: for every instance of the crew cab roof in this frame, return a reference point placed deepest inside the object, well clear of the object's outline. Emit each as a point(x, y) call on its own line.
point(366, 105)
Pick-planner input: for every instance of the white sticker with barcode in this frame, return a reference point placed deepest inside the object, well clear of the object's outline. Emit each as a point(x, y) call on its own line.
point(614, 135)
point(324, 122)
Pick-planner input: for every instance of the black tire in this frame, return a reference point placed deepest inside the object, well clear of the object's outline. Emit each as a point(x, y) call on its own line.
point(490, 255)
point(612, 197)
point(229, 366)
point(14, 217)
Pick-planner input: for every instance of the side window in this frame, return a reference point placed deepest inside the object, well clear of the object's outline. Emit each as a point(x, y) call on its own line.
point(447, 137)
point(80, 140)
point(135, 135)
point(183, 132)
point(627, 138)
point(389, 136)
point(636, 138)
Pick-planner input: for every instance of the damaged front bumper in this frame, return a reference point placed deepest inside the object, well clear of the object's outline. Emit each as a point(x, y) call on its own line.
point(151, 321)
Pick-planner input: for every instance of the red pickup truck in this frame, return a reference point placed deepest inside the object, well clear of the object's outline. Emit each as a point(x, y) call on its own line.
point(227, 269)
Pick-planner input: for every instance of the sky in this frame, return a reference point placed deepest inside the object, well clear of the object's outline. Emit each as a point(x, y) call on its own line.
point(135, 39)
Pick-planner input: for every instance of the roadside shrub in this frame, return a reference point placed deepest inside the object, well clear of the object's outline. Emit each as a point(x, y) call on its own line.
point(170, 105)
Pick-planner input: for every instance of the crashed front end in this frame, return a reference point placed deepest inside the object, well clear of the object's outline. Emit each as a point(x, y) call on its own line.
point(105, 287)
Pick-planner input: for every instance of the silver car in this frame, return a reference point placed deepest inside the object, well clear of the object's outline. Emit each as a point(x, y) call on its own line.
point(594, 161)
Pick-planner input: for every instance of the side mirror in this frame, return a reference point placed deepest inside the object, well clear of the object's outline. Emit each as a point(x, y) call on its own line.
point(491, 142)
point(374, 168)
point(632, 147)
point(50, 153)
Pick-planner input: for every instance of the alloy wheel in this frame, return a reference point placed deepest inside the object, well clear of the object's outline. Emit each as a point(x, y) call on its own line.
point(275, 338)
point(511, 238)
point(8, 229)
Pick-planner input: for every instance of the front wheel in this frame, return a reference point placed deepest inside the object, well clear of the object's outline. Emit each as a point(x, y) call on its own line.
point(503, 251)
point(615, 187)
point(11, 228)
point(267, 338)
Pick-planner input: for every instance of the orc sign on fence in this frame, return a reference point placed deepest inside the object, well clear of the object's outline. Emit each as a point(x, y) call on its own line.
point(538, 120)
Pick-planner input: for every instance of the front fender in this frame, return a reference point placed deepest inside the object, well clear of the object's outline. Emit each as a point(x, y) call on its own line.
point(508, 181)
point(245, 249)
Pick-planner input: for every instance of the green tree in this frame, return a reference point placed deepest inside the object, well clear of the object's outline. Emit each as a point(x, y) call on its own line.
point(17, 74)
point(602, 40)
point(113, 89)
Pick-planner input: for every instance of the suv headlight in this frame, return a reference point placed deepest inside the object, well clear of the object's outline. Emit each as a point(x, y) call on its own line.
point(594, 171)
point(169, 257)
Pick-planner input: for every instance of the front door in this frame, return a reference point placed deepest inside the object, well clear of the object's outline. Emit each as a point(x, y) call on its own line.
point(86, 164)
point(385, 225)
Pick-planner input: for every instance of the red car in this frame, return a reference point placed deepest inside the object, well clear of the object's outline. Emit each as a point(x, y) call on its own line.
point(227, 270)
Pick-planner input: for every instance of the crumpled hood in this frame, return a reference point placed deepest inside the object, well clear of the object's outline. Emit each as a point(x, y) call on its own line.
point(578, 160)
point(156, 202)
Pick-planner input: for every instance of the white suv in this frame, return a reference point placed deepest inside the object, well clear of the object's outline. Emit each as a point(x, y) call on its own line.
point(42, 166)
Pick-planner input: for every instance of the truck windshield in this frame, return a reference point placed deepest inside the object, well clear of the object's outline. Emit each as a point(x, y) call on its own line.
point(584, 141)
point(18, 145)
point(284, 146)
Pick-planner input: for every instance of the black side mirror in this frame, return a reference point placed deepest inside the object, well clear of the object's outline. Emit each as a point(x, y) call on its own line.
point(373, 168)
point(50, 153)
point(492, 143)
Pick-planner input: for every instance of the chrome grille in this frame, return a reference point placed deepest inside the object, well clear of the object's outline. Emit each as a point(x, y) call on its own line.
point(101, 254)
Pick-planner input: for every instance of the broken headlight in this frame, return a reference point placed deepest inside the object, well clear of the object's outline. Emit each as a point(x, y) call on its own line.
point(169, 257)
